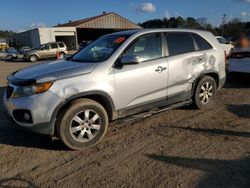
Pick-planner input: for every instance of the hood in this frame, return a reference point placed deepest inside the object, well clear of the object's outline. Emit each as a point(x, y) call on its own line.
point(53, 71)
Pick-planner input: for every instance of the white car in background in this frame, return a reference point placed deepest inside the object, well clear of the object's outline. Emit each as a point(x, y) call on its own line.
point(239, 61)
point(226, 45)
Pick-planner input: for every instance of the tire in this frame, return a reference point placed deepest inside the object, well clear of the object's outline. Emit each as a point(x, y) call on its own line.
point(82, 124)
point(9, 58)
point(33, 58)
point(204, 92)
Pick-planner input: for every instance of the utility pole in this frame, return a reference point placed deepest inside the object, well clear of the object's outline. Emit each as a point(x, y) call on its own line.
point(223, 24)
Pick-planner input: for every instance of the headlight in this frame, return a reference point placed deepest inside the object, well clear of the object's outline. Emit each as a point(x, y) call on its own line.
point(22, 91)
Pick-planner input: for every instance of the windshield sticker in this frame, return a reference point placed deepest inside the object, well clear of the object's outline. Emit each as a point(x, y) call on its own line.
point(119, 40)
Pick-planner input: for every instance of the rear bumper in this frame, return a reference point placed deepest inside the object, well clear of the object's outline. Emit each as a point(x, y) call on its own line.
point(222, 82)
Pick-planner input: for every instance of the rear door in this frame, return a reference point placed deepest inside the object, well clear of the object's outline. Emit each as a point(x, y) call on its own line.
point(181, 64)
point(53, 50)
point(145, 82)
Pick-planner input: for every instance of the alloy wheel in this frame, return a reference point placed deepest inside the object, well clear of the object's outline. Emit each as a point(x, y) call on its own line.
point(206, 92)
point(85, 125)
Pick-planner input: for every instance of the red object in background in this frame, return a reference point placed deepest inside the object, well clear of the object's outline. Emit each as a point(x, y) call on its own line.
point(119, 40)
point(57, 55)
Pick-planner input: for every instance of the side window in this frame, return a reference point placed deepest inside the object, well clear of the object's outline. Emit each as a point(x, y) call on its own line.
point(179, 43)
point(53, 46)
point(201, 42)
point(146, 47)
point(45, 47)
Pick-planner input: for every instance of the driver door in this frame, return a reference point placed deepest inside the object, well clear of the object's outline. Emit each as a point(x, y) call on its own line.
point(145, 82)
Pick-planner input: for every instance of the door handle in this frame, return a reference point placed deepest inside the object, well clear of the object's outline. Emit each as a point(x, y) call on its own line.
point(160, 69)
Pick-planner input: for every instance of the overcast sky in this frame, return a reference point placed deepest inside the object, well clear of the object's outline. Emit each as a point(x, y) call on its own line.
point(19, 15)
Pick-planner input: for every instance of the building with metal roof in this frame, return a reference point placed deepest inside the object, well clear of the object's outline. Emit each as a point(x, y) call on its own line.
point(73, 33)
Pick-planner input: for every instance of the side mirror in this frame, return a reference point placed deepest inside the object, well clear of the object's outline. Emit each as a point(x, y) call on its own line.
point(130, 60)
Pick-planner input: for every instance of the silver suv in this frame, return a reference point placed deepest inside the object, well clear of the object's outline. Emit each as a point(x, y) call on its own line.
point(120, 75)
point(49, 50)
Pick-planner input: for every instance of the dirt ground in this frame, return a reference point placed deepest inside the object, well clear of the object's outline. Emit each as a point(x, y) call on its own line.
point(177, 148)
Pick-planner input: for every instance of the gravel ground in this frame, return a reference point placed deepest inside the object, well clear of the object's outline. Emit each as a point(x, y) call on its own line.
point(177, 148)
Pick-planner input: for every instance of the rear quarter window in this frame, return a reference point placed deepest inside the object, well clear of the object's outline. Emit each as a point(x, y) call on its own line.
point(61, 45)
point(179, 43)
point(202, 43)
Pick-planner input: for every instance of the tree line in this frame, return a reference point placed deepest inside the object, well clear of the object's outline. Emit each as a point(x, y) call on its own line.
point(232, 29)
point(6, 33)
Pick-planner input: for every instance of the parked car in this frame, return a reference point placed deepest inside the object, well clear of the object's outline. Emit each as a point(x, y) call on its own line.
point(24, 49)
point(46, 51)
point(228, 47)
point(9, 54)
point(239, 61)
point(116, 76)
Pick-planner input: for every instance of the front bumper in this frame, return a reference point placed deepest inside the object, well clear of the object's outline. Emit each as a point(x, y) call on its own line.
point(41, 108)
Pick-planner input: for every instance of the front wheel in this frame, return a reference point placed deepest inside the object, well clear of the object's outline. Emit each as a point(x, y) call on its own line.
point(9, 58)
point(33, 58)
point(83, 124)
point(204, 92)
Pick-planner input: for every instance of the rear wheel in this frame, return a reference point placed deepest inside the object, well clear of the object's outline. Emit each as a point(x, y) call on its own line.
point(33, 58)
point(204, 92)
point(82, 124)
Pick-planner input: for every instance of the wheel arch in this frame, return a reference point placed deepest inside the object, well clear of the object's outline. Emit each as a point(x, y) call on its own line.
point(61, 51)
point(102, 98)
point(38, 57)
point(213, 74)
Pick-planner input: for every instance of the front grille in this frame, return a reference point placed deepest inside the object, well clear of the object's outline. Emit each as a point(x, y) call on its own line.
point(9, 91)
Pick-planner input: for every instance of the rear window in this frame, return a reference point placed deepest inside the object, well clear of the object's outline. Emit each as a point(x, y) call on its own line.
point(179, 43)
point(201, 42)
point(61, 45)
point(222, 40)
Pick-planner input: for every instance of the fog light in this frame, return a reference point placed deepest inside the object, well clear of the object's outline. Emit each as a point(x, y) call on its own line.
point(26, 116)
point(22, 116)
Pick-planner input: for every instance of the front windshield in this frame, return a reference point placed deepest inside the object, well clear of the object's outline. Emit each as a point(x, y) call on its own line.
point(101, 49)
